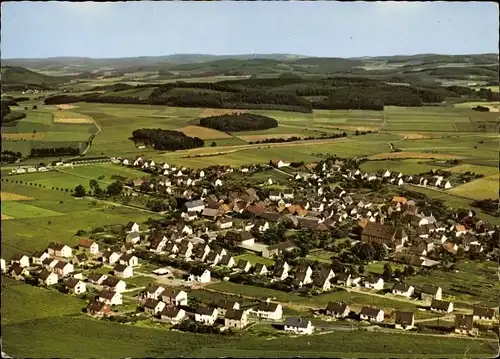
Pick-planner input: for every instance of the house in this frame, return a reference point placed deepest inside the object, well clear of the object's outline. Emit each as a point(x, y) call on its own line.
point(235, 318)
point(98, 308)
point(110, 297)
point(337, 309)
point(111, 256)
point(75, 286)
point(430, 292)
point(79, 259)
point(206, 315)
point(153, 306)
point(173, 314)
point(129, 259)
point(174, 296)
point(49, 263)
point(64, 268)
point(344, 279)
point(481, 313)
point(298, 325)
point(374, 283)
point(278, 163)
point(115, 284)
point(88, 246)
point(158, 243)
point(242, 238)
point(269, 310)
point(123, 271)
point(281, 271)
point(260, 269)
point(39, 256)
point(276, 249)
point(21, 259)
point(402, 289)
point(441, 306)
point(199, 275)
point(132, 227)
point(372, 314)
point(225, 223)
point(243, 265)
point(224, 305)
point(46, 277)
point(389, 235)
point(227, 261)
point(59, 250)
point(404, 320)
point(302, 275)
point(464, 324)
point(154, 291)
point(97, 278)
point(133, 238)
point(195, 206)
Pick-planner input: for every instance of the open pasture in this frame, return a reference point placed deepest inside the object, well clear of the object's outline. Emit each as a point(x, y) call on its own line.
point(68, 117)
point(5, 217)
point(484, 170)
point(20, 136)
point(209, 112)
point(22, 210)
point(8, 196)
point(203, 132)
point(483, 188)
point(395, 155)
point(407, 167)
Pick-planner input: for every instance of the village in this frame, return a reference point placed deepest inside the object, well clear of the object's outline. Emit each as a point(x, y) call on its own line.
point(323, 205)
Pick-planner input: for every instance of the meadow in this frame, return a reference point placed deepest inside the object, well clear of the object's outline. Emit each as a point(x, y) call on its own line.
point(483, 188)
point(54, 215)
point(22, 318)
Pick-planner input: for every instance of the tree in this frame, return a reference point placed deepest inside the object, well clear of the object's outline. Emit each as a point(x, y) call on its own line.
point(409, 271)
point(364, 251)
point(398, 273)
point(379, 251)
point(361, 269)
point(35, 107)
point(213, 144)
point(387, 275)
point(115, 188)
point(79, 191)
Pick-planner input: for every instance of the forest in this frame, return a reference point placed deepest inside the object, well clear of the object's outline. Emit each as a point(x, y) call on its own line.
point(287, 93)
point(165, 139)
point(54, 152)
point(239, 122)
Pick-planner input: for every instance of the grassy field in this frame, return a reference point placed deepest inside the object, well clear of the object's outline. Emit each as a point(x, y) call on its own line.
point(23, 324)
point(67, 215)
point(484, 170)
point(407, 167)
point(254, 259)
point(483, 188)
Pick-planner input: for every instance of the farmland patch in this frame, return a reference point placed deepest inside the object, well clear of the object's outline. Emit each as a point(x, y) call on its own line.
point(70, 117)
point(203, 132)
point(22, 210)
point(5, 217)
point(483, 188)
point(208, 112)
point(23, 136)
point(263, 137)
point(381, 156)
point(8, 196)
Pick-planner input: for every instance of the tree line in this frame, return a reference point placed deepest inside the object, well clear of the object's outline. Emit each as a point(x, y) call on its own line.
point(295, 138)
point(239, 122)
point(10, 156)
point(165, 139)
point(54, 152)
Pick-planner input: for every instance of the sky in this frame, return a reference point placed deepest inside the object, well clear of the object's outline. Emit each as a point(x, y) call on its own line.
point(327, 29)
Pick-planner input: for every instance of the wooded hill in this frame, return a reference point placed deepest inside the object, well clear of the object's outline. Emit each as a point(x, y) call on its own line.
point(287, 93)
point(239, 122)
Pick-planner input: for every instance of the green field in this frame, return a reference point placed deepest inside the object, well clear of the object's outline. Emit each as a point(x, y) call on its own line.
point(254, 259)
point(483, 188)
point(407, 167)
point(34, 233)
point(23, 323)
point(24, 210)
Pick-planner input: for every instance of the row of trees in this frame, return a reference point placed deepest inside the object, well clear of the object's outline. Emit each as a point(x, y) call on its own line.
point(10, 156)
point(54, 152)
point(165, 139)
point(295, 138)
point(239, 122)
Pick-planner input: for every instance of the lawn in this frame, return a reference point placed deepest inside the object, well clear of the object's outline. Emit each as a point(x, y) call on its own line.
point(58, 330)
point(483, 188)
point(18, 209)
point(23, 302)
point(474, 283)
point(319, 301)
point(484, 170)
point(407, 167)
point(254, 259)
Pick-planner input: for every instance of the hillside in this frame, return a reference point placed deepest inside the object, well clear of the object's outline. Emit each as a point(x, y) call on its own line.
point(21, 76)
